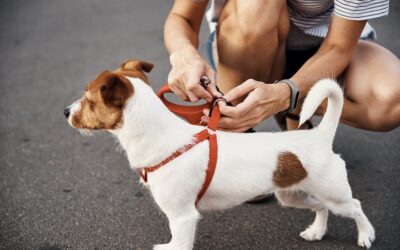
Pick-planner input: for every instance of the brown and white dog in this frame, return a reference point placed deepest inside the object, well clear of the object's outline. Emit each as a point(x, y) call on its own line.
point(299, 166)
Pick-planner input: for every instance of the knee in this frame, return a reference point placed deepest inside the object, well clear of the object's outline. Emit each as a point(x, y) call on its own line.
point(257, 20)
point(384, 110)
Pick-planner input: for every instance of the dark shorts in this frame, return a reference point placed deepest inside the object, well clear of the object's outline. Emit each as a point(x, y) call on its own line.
point(295, 59)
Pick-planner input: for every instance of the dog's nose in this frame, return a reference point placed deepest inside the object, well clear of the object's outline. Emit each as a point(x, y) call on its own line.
point(66, 112)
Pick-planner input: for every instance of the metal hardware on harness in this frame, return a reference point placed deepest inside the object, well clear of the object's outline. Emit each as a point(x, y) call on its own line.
point(219, 99)
point(204, 81)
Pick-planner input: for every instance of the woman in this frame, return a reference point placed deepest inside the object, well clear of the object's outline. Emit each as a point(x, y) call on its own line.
point(261, 41)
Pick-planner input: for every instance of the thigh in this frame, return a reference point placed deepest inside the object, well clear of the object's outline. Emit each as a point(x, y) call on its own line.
point(250, 41)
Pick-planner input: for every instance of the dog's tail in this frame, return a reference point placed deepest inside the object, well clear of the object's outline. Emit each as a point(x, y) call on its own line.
point(325, 88)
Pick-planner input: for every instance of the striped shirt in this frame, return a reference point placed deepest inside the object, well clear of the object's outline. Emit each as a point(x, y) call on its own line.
point(310, 19)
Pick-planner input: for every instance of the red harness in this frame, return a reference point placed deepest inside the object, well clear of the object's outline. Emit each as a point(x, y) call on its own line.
point(193, 115)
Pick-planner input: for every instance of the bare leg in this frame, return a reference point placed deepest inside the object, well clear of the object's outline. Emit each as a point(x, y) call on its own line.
point(372, 89)
point(251, 41)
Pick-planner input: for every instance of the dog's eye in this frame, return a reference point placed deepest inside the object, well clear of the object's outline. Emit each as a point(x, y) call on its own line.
point(91, 105)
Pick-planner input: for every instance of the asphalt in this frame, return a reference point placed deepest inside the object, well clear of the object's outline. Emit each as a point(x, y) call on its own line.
point(59, 190)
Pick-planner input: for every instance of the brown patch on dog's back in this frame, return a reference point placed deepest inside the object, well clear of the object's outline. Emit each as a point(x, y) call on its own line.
point(289, 170)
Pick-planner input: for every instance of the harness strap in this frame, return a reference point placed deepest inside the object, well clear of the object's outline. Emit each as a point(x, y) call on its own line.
point(212, 164)
point(200, 137)
point(192, 114)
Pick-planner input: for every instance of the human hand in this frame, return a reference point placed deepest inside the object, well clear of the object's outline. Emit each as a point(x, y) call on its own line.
point(184, 78)
point(262, 101)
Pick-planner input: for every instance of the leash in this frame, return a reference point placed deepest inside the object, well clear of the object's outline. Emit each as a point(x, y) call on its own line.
point(193, 115)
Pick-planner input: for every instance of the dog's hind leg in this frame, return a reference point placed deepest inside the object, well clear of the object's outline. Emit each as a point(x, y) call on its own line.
point(183, 227)
point(300, 199)
point(352, 209)
point(334, 192)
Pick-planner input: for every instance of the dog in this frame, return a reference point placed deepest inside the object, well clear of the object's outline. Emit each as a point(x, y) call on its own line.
point(298, 166)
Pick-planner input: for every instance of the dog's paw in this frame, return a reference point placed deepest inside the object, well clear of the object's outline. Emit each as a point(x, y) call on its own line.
point(366, 238)
point(313, 233)
point(161, 247)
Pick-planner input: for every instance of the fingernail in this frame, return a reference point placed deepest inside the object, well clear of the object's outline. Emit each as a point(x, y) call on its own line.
point(206, 111)
point(204, 119)
point(227, 98)
point(219, 94)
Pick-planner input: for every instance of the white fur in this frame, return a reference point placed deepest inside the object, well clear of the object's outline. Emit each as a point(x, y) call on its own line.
point(245, 165)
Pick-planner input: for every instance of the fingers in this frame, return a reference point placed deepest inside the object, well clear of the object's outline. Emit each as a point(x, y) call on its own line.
point(237, 130)
point(206, 112)
point(176, 86)
point(180, 93)
point(228, 110)
point(232, 125)
point(228, 124)
point(241, 90)
point(241, 109)
point(186, 84)
point(212, 88)
point(193, 88)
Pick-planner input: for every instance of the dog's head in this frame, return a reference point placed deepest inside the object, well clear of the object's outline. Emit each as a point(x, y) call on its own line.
point(104, 99)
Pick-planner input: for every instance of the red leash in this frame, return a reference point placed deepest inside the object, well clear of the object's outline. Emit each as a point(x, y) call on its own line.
point(193, 115)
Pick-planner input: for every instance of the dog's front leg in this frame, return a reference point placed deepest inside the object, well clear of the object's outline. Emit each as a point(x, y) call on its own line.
point(182, 224)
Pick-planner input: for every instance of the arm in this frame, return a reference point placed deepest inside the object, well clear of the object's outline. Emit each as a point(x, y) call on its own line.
point(181, 40)
point(264, 100)
point(333, 56)
point(182, 26)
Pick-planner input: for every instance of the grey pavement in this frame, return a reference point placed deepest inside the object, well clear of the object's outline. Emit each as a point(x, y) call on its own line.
point(59, 190)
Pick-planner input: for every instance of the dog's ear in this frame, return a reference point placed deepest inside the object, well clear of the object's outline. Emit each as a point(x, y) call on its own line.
point(133, 65)
point(115, 90)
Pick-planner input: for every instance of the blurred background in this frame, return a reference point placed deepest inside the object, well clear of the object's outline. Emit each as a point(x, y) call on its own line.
point(59, 190)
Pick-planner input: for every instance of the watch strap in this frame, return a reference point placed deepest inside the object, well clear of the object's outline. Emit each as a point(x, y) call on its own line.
point(294, 95)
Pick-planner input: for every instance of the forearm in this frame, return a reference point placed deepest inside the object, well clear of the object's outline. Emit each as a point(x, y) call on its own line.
point(328, 62)
point(333, 56)
point(183, 23)
point(179, 34)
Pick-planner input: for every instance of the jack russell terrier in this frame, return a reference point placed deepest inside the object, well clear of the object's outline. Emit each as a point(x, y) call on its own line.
point(298, 166)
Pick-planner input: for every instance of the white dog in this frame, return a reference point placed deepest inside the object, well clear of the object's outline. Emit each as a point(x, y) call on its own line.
point(299, 166)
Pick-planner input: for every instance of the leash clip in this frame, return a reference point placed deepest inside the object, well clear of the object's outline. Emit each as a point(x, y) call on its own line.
point(204, 81)
point(219, 99)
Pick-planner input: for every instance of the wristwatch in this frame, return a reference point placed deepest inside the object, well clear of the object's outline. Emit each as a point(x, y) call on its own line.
point(294, 96)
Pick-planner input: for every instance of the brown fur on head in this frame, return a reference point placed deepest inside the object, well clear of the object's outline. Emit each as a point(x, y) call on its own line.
point(102, 105)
